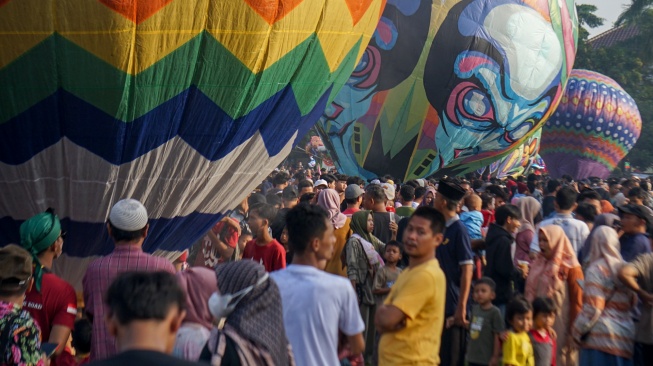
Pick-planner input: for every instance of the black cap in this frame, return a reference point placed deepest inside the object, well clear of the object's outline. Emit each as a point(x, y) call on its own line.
point(451, 190)
point(640, 211)
point(256, 199)
point(289, 193)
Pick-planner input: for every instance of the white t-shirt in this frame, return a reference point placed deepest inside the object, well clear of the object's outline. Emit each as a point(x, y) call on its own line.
point(576, 231)
point(316, 305)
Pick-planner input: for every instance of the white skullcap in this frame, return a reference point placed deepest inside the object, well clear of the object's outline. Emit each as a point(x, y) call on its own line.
point(128, 215)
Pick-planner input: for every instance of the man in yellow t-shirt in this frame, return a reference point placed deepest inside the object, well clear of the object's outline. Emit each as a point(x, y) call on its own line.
point(412, 317)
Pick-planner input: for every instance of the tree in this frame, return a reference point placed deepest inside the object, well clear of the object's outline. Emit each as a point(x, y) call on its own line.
point(630, 63)
point(586, 19)
point(634, 12)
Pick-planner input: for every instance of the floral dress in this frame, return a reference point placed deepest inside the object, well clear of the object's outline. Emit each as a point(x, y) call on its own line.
point(24, 337)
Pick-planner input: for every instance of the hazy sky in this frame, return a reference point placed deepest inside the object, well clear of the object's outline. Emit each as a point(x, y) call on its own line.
point(607, 9)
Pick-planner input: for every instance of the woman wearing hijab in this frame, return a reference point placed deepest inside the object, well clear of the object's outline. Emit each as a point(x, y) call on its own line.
point(329, 200)
point(610, 220)
point(199, 283)
point(604, 328)
point(363, 260)
point(429, 197)
point(556, 274)
point(247, 309)
point(531, 215)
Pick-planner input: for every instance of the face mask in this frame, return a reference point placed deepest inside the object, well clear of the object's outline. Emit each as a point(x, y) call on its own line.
point(221, 305)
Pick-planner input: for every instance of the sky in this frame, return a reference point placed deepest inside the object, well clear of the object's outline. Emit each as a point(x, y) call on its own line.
point(606, 9)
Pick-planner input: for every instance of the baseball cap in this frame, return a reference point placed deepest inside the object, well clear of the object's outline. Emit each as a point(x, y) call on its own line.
point(15, 267)
point(640, 211)
point(128, 215)
point(320, 182)
point(256, 199)
point(289, 193)
point(353, 191)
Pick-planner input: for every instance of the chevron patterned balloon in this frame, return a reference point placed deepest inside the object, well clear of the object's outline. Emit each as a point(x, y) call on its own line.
point(594, 127)
point(185, 105)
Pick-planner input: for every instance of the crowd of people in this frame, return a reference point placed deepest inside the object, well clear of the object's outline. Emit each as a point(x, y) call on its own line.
point(318, 268)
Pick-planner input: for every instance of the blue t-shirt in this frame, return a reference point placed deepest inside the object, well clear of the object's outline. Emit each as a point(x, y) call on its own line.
point(633, 245)
point(473, 221)
point(455, 250)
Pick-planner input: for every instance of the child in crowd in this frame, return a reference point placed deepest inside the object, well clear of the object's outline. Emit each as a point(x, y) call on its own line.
point(385, 277)
point(542, 335)
point(517, 348)
point(388, 274)
point(263, 248)
point(82, 341)
point(487, 210)
point(484, 345)
point(473, 221)
point(473, 218)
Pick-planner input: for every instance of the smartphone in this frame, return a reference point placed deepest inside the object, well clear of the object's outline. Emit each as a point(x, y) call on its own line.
point(48, 349)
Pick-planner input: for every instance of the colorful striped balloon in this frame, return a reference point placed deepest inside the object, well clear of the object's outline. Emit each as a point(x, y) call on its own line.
point(594, 127)
point(185, 105)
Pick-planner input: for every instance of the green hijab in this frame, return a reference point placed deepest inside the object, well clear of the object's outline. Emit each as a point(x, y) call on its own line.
point(37, 234)
point(359, 226)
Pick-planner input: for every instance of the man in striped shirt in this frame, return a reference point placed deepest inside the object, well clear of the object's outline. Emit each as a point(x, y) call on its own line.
point(128, 228)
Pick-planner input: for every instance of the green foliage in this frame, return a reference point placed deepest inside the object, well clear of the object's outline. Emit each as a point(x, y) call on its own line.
point(630, 63)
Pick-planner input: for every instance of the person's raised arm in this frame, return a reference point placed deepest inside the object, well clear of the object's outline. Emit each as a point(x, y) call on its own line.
point(224, 250)
point(628, 275)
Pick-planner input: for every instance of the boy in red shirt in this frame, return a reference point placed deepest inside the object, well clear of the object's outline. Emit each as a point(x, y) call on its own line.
point(263, 248)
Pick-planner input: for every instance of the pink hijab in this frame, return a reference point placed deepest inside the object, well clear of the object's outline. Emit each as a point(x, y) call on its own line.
point(546, 276)
point(529, 208)
point(329, 200)
point(199, 283)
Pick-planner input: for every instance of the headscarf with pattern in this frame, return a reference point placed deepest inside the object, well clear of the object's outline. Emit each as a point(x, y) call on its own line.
point(258, 317)
point(37, 234)
point(371, 244)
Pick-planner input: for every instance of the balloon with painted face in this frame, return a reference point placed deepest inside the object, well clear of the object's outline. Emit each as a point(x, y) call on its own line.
point(185, 105)
point(489, 74)
point(519, 161)
point(593, 128)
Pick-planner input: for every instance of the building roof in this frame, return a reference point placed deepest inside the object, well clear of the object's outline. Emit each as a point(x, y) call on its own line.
point(614, 36)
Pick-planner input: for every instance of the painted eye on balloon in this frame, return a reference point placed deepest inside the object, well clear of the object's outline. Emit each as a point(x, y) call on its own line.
point(476, 105)
point(468, 102)
point(367, 70)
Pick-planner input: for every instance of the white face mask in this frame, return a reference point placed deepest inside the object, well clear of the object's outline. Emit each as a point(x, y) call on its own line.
point(221, 305)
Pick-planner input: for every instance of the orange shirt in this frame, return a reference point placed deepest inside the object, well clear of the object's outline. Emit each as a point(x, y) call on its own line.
point(335, 265)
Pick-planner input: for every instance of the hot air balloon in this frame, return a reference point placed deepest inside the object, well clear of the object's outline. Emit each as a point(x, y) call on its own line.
point(518, 162)
point(451, 83)
point(594, 127)
point(185, 105)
